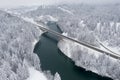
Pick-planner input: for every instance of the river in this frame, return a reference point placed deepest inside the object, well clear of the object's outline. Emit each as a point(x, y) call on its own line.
point(53, 59)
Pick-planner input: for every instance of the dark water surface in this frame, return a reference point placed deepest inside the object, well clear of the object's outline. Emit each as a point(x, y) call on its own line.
point(53, 59)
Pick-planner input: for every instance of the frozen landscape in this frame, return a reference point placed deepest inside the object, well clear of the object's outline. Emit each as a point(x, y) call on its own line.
point(97, 25)
point(17, 41)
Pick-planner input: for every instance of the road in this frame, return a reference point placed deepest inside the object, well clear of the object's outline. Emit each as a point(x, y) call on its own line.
point(117, 56)
point(45, 29)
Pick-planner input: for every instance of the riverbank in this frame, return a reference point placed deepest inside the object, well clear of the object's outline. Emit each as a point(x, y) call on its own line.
point(90, 60)
point(17, 41)
point(54, 60)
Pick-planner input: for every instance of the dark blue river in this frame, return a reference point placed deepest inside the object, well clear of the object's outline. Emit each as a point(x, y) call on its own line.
point(53, 59)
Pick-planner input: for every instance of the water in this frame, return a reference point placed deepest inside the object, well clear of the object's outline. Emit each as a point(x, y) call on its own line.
point(54, 60)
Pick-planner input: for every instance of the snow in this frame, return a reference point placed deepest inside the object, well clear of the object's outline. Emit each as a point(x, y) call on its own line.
point(52, 18)
point(24, 71)
point(112, 23)
point(92, 60)
point(98, 26)
point(69, 45)
point(113, 49)
point(46, 18)
point(36, 75)
point(27, 19)
point(35, 41)
point(82, 23)
point(31, 9)
point(66, 48)
point(8, 11)
point(20, 10)
point(104, 46)
point(25, 36)
point(65, 10)
point(117, 26)
point(57, 77)
point(31, 20)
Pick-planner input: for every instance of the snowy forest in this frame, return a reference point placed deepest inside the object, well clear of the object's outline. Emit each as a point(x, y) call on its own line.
point(83, 22)
point(17, 41)
point(90, 24)
point(89, 21)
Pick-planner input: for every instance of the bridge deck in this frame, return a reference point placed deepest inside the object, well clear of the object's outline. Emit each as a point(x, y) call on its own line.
point(117, 56)
point(114, 55)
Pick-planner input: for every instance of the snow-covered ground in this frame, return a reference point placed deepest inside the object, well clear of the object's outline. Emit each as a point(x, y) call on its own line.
point(82, 26)
point(49, 17)
point(19, 35)
point(45, 18)
point(65, 10)
point(36, 75)
point(91, 60)
point(33, 73)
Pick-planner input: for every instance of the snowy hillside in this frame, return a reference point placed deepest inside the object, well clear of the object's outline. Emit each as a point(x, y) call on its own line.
point(90, 24)
point(17, 41)
point(100, 23)
point(87, 23)
point(22, 9)
point(84, 22)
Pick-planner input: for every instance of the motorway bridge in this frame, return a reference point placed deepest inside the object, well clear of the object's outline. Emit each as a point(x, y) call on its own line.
point(45, 29)
point(114, 55)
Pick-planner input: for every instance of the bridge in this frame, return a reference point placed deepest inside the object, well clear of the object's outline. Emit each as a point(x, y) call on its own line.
point(45, 29)
point(114, 55)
